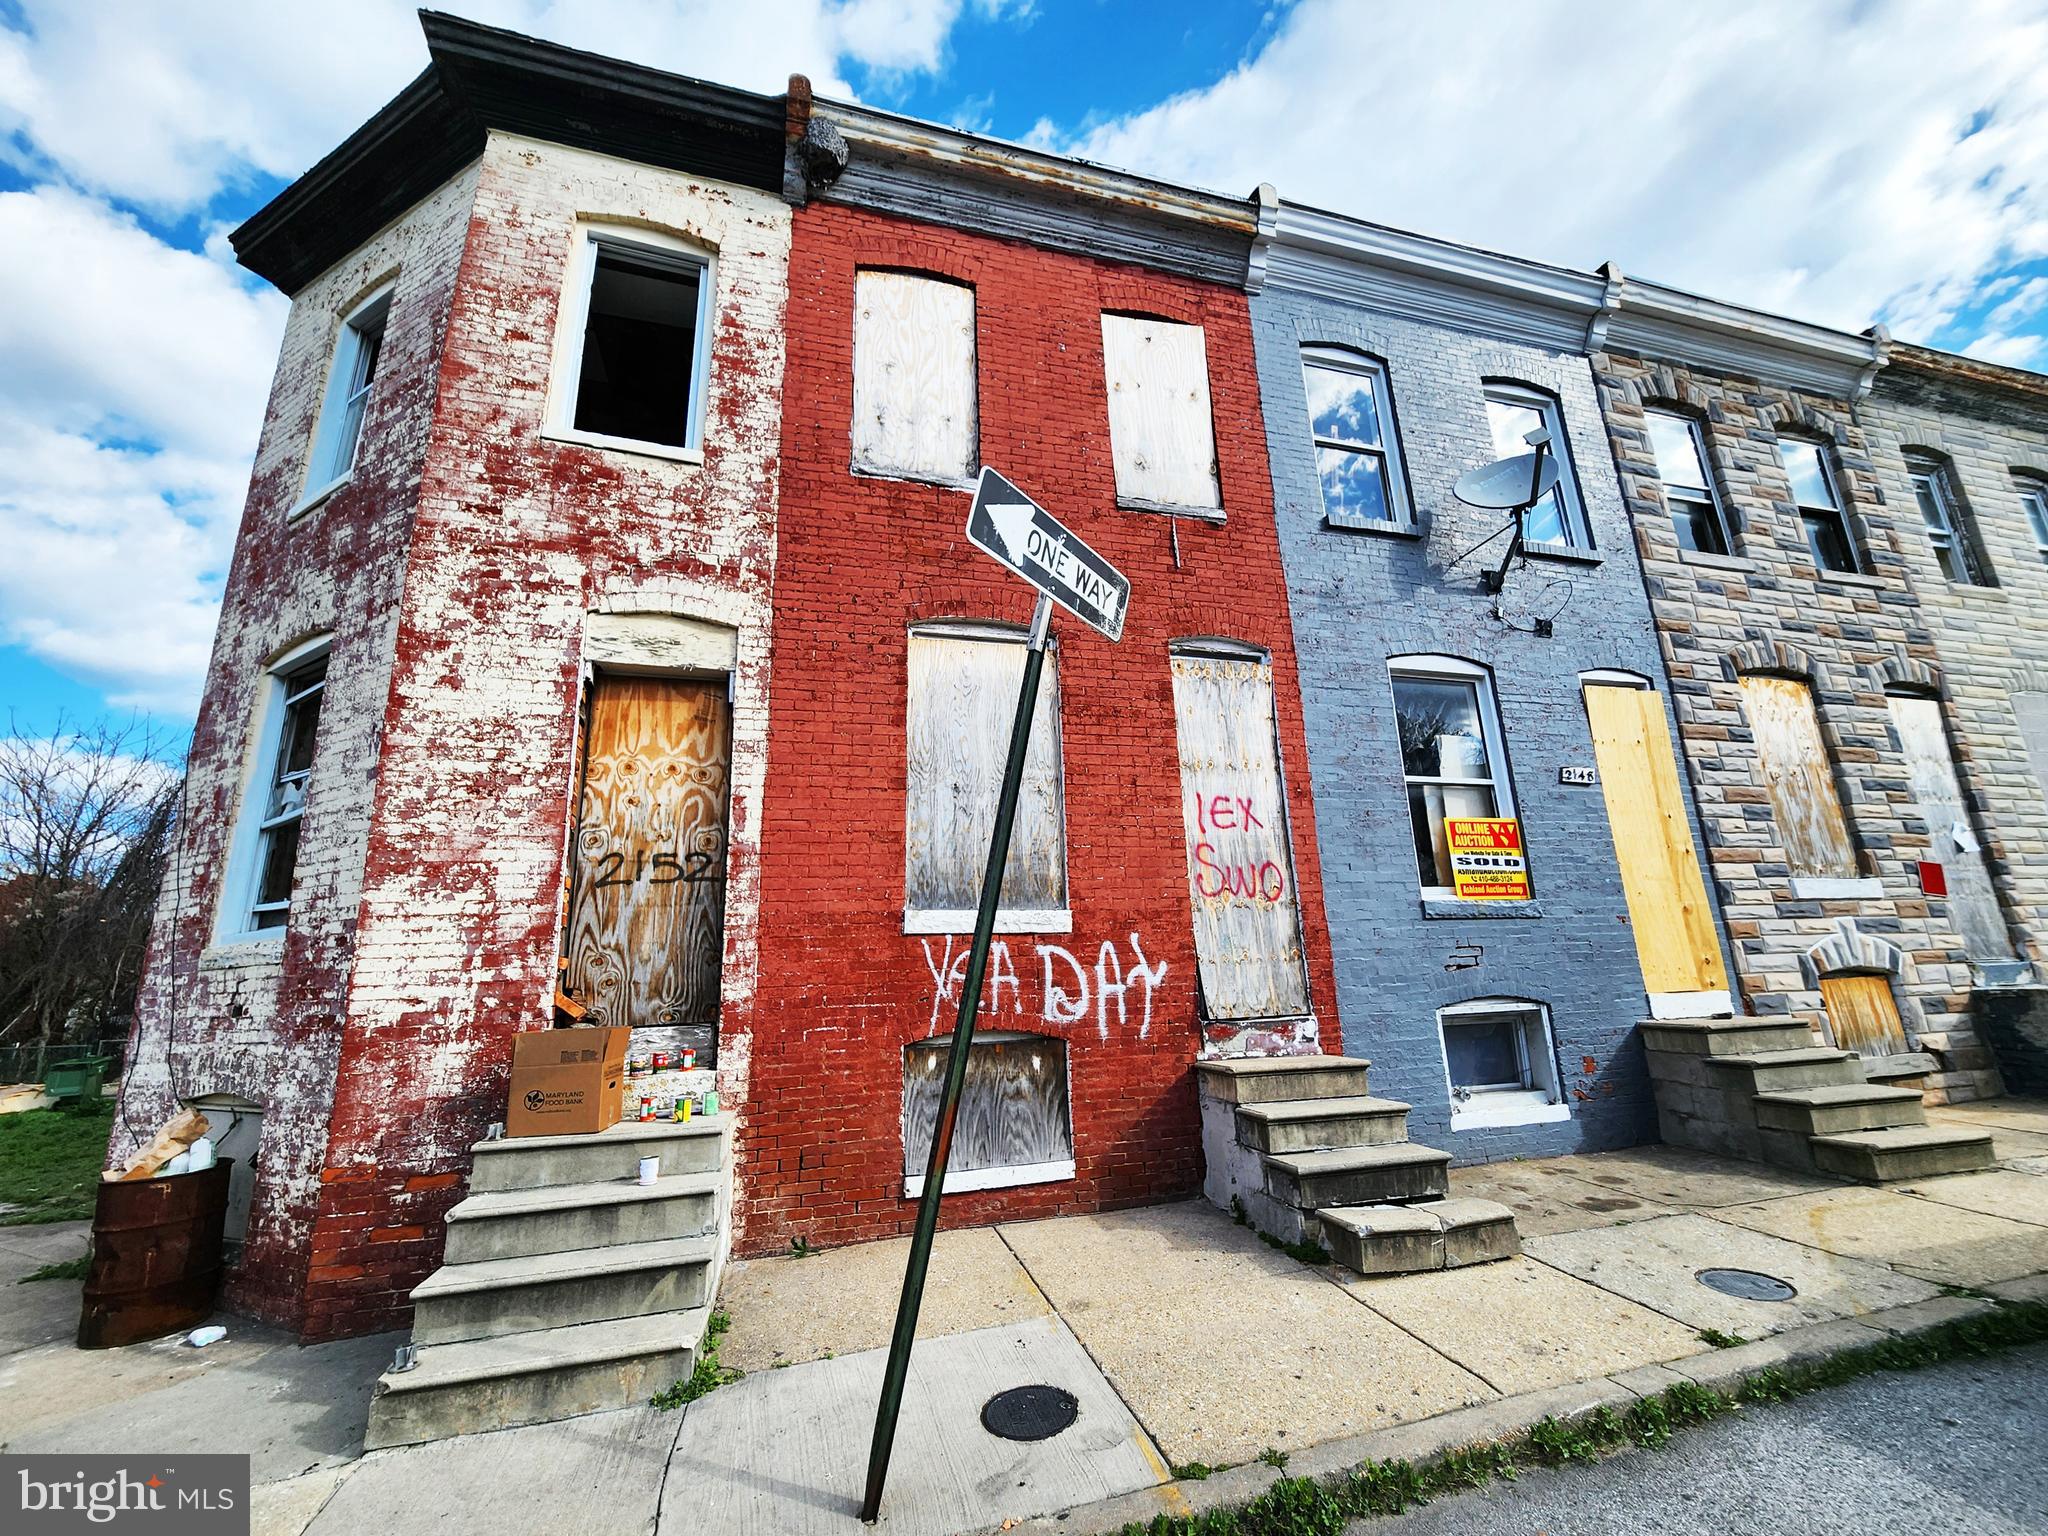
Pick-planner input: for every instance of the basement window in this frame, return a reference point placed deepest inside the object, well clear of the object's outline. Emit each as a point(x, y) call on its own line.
point(266, 852)
point(349, 380)
point(631, 357)
point(1014, 1124)
point(1161, 435)
point(913, 377)
point(1500, 1064)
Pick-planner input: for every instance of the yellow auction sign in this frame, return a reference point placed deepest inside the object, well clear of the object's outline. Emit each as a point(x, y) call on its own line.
point(1487, 862)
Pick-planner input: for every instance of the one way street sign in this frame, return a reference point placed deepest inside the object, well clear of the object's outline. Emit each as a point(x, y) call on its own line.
point(1021, 534)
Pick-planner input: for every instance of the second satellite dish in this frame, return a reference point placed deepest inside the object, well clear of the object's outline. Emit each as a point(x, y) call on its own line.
point(1508, 484)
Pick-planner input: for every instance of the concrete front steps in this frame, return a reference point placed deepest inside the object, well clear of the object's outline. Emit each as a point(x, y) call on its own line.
point(568, 1286)
point(1299, 1147)
point(1761, 1089)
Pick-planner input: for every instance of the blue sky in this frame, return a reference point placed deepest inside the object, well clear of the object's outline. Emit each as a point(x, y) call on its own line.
point(1841, 160)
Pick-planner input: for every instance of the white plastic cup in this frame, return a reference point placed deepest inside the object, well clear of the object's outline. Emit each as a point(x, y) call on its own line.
point(650, 1169)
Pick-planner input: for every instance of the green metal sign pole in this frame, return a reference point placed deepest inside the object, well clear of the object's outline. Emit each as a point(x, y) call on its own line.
point(956, 1073)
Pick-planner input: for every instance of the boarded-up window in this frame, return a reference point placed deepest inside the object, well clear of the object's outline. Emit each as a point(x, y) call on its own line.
point(913, 376)
point(1159, 424)
point(963, 700)
point(1795, 767)
point(1971, 901)
point(1014, 1125)
point(1240, 860)
point(1863, 1016)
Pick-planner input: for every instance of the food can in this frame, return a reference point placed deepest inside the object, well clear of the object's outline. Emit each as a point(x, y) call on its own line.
point(689, 1057)
point(646, 1106)
point(661, 1059)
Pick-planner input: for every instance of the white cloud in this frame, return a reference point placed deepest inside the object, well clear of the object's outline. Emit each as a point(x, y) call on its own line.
point(2013, 351)
point(1812, 158)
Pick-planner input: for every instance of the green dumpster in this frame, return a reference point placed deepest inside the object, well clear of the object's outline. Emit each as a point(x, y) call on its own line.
point(82, 1077)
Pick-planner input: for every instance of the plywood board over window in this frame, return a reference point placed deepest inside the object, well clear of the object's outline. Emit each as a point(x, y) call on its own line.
point(1971, 901)
point(1863, 1016)
point(914, 409)
point(1014, 1125)
point(963, 700)
point(1796, 773)
point(1240, 858)
point(1160, 428)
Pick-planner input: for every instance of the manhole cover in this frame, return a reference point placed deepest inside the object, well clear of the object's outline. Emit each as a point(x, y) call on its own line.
point(1029, 1413)
point(1746, 1284)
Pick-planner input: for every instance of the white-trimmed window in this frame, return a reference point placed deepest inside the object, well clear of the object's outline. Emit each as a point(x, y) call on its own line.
point(2034, 501)
point(1689, 494)
point(1513, 411)
point(914, 408)
point(1500, 1064)
point(1161, 435)
point(1814, 491)
point(1942, 514)
point(1451, 758)
point(1351, 423)
point(258, 889)
point(964, 680)
point(632, 351)
point(350, 377)
point(1015, 1124)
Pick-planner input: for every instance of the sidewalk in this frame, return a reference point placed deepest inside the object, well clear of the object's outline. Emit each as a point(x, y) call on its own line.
point(1184, 1337)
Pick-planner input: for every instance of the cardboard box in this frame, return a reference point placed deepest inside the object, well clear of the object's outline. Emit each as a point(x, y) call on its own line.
point(566, 1082)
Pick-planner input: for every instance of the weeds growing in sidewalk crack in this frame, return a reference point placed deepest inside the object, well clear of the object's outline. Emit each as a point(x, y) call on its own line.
point(1270, 1457)
point(1303, 1506)
point(709, 1375)
point(1720, 1340)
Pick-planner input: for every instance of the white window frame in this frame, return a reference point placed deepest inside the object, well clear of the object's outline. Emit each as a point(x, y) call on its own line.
point(1529, 1102)
point(565, 375)
point(326, 469)
point(1708, 495)
point(959, 920)
point(1934, 476)
point(235, 922)
point(2034, 503)
point(1578, 528)
point(1393, 472)
point(1429, 666)
point(1839, 511)
point(1010, 1176)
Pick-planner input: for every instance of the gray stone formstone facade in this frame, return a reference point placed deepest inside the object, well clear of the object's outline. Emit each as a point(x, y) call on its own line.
point(1363, 596)
point(1766, 610)
point(1986, 428)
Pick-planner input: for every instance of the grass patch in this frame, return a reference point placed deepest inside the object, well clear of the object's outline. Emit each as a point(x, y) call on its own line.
point(709, 1375)
point(1720, 1340)
point(70, 1269)
point(1301, 1506)
point(1195, 1471)
point(50, 1161)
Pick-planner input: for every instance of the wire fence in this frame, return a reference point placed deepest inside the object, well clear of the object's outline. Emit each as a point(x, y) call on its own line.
point(31, 1062)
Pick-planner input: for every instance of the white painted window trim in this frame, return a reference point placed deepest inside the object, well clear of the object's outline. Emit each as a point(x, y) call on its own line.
point(2034, 503)
point(1495, 741)
point(1505, 1106)
point(941, 920)
point(1839, 511)
point(234, 922)
point(1612, 677)
point(995, 1178)
point(565, 374)
point(1834, 887)
point(1388, 449)
point(1708, 495)
point(1935, 475)
point(1578, 527)
point(346, 357)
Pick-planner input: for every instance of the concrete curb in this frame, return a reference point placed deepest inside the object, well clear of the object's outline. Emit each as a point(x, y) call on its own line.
point(1509, 1416)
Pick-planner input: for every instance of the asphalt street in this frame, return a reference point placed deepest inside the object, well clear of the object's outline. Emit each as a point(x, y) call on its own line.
point(1961, 1447)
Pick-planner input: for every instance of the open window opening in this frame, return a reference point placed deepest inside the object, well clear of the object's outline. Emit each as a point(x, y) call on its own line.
point(1015, 1123)
point(1500, 1063)
point(632, 361)
point(258, 889)
point(235, 1125)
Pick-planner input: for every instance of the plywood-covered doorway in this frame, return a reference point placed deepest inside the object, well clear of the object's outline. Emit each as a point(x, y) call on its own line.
point(646, 922)
point(1676, 942)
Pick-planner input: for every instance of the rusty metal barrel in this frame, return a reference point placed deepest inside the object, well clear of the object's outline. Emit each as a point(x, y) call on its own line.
point(156, 1256)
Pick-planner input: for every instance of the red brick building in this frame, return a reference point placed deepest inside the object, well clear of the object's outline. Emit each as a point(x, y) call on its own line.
point(956, 304)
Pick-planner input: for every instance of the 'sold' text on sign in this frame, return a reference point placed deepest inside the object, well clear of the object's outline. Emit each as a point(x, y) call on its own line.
point(1487, 861)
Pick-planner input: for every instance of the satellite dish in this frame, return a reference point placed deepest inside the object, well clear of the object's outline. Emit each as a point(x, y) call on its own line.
point(1508, 484)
